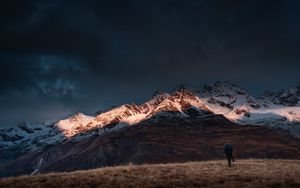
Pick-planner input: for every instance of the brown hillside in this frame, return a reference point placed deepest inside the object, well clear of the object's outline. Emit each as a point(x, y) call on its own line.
point(164, 141)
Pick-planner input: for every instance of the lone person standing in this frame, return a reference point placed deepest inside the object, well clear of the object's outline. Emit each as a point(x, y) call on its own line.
point(229, 154)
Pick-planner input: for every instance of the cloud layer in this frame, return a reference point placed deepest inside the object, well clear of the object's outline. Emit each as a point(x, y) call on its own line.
point(59, 57)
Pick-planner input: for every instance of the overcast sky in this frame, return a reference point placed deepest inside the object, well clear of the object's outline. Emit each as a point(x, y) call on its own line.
point(59, 57)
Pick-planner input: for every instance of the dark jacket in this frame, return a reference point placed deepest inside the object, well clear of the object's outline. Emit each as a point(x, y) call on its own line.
point(228, 149)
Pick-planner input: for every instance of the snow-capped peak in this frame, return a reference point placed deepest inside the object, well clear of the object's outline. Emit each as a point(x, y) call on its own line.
point(74, 124)
point(224, 89)
point(177, 102)
point(289, 97)
point(225, 98)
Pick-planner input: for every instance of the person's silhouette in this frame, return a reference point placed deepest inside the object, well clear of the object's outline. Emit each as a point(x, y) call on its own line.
point(229, 154)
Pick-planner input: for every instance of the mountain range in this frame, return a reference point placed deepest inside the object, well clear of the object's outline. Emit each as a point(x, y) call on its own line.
point(184, 125)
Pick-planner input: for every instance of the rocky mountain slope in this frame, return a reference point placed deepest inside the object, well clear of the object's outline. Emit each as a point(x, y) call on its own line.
point(159, 140)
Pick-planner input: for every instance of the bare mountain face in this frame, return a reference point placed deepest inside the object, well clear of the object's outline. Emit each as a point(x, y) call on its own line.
point(287, 97)
point(161, 139)
point(181, 126)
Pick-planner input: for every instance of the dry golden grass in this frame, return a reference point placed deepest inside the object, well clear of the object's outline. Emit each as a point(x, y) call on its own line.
point(244, 173)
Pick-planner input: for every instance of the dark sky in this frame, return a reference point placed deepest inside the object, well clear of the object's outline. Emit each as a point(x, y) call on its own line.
point(59, 57)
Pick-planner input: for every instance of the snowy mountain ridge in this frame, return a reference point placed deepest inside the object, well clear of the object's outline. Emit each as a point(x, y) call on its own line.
point(276, 110)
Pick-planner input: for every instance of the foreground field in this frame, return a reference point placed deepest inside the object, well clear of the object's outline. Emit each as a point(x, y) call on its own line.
point(244, 173)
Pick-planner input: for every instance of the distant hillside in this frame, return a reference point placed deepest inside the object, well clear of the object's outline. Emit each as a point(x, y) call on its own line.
point(159, 140)
point(244, 173)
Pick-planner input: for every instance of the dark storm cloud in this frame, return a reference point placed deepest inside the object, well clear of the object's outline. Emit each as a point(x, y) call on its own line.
point(67, 56)
point(44, 73)
point(46, 29)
